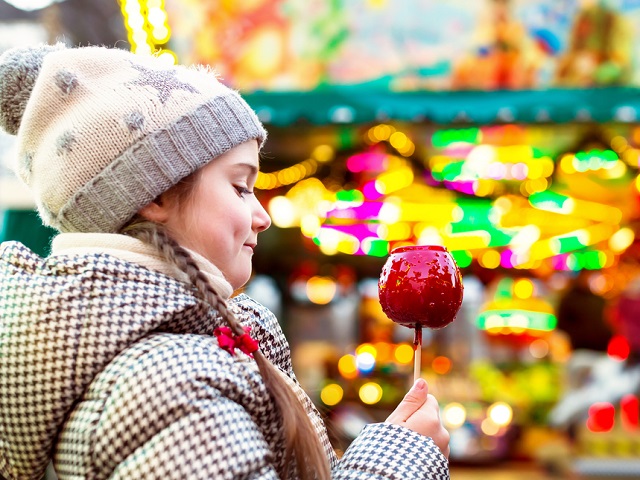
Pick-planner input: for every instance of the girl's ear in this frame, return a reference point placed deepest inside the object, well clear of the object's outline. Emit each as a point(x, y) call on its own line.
point(156, 211)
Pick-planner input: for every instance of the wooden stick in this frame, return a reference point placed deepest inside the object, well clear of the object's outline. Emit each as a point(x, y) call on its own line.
point(417, 352)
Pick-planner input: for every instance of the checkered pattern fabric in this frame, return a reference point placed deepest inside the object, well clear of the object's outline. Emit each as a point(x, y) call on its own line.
point(385, 451)
point(112, 369)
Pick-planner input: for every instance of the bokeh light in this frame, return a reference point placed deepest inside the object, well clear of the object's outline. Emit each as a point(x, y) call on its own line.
point(370, 393)
point(331, 394)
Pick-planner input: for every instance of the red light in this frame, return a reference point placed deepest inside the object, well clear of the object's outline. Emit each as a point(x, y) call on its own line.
point(618, 348)
point(630, 406)
point(441, 365)
point(601, 417)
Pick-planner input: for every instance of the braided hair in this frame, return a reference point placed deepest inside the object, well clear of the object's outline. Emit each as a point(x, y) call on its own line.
point(301, 441)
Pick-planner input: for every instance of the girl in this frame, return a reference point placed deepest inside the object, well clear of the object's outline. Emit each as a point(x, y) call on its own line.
point(124, 354)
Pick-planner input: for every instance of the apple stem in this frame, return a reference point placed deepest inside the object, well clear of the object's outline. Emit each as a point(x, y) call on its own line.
point(417, 349)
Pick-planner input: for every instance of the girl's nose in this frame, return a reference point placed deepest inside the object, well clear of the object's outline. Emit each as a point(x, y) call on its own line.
point(261, 219)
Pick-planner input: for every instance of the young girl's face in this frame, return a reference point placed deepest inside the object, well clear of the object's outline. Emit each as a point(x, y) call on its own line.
point(222, 218)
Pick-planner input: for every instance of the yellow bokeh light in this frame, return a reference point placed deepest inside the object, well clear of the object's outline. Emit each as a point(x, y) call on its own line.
point(503, 205)
point(323, 153)
point(547, 166)
point(382, 132)
point(168, 57)
point(349, 245)
point(429, 236)
point(398, 140)
point(131, 7)
point(619, 143)
point(537, 185)
point(370, 393)
point(566, 163)
point(490, 259)
point(321, 290)
point(135, 20)
point(483, 187)
point(454, 415)
point(535, 170)
point(621, 240)
point(140, 46)
point(347, 366)
point(161, 34)
point(156, 16)
point(619, 169)
point(371, 136)
point(394, 180)
point(331, 394)
point(310, 225)
point(408, 150)
point(282, 212)
point(328, 249)
point(482, 155)
point(395, 231)
point(403, 354)
point(310, 166)
point(517, 153)
point(367, 348)
point(140, 38)
point(266, 181)
point(489, 428)
point(518, 323)
point(523, 288)
point(390, 212)
point(500, 413)
point(494, 322)
point(630, 156)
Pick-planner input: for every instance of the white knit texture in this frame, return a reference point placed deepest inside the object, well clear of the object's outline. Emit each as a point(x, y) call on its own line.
point(104, 132)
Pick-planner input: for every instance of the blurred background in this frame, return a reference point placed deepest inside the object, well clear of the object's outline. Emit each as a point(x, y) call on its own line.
point(506, 130)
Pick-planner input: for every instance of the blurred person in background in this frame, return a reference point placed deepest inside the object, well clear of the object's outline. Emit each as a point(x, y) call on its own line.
point(581, 314)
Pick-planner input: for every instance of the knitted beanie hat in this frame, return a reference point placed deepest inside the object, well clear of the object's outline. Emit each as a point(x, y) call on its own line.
point(102, 132)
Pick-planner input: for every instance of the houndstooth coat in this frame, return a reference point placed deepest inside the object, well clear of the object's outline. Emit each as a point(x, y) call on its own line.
point(110, 369)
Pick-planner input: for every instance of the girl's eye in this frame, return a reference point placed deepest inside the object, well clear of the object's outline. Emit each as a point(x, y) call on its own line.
point(242, 191)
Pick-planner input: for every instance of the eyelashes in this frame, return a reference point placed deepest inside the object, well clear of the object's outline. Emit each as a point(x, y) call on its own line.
point(242, 191)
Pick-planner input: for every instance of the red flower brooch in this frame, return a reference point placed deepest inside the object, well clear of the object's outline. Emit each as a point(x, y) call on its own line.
point(229, 341)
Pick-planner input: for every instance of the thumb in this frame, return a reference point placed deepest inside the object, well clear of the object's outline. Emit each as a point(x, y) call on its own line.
point(412, 401)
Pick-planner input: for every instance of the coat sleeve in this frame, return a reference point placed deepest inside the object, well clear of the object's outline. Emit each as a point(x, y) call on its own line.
point(184, 410)
point(391, 452)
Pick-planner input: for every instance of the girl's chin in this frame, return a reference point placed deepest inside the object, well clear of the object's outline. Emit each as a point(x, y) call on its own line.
point(239, 282)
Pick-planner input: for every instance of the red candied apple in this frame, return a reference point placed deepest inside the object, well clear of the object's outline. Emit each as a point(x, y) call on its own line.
point(420, 286)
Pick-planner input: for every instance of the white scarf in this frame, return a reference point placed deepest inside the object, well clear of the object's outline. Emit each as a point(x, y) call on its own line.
point(136, 251)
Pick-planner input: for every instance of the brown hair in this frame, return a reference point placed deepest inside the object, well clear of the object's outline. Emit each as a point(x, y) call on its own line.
point(301, 440)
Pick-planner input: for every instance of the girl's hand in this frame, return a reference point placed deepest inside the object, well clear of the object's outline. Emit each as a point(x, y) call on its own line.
point(419, 411)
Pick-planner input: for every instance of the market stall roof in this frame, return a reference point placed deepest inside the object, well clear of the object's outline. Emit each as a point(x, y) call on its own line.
point(358, 104)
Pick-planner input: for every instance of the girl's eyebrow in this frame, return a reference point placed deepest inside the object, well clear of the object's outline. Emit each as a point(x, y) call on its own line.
point(253, 169)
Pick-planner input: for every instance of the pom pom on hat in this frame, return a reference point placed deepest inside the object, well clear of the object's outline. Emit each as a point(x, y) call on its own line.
point(19, 69)
point(102, 132)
